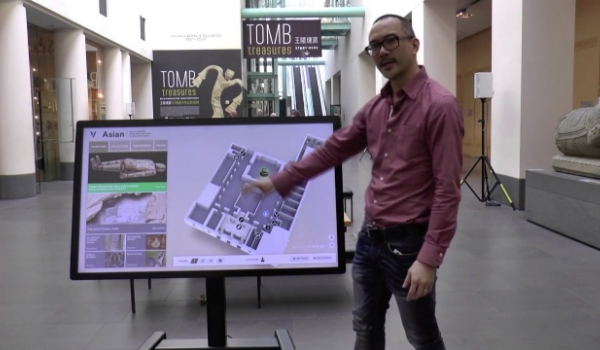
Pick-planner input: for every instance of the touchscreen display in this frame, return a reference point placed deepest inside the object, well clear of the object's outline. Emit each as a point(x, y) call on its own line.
point(168, 198)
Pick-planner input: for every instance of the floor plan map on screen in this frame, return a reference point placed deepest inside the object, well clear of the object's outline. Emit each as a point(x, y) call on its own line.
point(254, 223)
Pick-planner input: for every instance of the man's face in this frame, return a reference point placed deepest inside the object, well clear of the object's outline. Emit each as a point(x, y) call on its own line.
point(392, 62)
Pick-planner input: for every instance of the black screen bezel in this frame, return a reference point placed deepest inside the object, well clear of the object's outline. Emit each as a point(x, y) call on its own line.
point(82, 126)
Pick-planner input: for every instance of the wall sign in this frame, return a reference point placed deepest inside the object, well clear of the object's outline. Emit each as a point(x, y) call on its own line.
point(187, 25)
point(291, 39)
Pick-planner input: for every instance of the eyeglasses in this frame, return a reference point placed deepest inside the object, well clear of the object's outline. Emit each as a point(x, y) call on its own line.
point(389, 44)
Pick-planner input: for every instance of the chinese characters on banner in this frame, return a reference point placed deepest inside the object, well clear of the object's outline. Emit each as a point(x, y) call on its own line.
point(285, 39)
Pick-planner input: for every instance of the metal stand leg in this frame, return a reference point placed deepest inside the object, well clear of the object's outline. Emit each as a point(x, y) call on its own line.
point(132, 289)
point(149, 283)
point(258, 285)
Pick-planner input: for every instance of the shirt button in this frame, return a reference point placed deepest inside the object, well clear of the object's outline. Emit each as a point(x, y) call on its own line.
point(441, 255)
point(389, 130)
point(381, 178)
point(375, 201)
point(385, 155)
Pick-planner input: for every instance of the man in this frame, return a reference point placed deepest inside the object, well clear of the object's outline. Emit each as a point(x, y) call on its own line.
point(414, 131)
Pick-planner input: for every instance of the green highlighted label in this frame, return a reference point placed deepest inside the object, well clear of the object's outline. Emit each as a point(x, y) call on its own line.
point(128, 187)
point(264, 172)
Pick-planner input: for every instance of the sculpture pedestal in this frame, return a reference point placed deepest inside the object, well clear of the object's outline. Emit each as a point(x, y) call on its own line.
point(565, 203)
point(577, 166)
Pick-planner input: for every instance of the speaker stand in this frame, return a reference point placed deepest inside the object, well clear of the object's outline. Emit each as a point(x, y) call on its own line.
point(486, 191)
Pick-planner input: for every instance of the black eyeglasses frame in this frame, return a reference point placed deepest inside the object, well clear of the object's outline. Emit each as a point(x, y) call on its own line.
point(369, 49)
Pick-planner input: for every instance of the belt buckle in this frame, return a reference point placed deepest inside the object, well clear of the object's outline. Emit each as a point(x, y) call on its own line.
point(375, 232)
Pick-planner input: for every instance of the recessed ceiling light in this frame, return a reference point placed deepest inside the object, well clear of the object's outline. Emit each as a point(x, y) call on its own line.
point(464, 14)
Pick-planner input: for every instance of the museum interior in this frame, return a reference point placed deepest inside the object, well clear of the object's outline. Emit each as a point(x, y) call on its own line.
point(522, 271)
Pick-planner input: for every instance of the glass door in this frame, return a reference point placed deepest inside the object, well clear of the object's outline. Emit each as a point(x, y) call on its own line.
point(54, 126)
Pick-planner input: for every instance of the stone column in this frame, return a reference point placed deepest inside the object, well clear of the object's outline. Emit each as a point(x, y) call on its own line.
point(328, 96)
point(434, 23)
point(127, 93)
point(113, 86)
point(532, 66)
point(71, 73)
point(17, 155)
point(336, 89)
point(366, 74)
point(141, 78)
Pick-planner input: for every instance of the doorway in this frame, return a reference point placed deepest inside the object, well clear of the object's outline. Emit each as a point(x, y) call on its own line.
point(54, 127)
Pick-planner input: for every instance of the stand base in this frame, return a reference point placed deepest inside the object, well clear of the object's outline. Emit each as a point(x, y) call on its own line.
point(158, 341)
point(232, 344)
point(217, 329)
point(485, 186)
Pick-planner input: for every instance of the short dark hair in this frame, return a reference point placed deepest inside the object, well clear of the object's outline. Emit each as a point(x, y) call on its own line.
point(406, 24)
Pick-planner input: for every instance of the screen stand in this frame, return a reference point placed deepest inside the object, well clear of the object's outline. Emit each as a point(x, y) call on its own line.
point(132, 292)
point(258, 285)
point(217, 329)
point(216, 313)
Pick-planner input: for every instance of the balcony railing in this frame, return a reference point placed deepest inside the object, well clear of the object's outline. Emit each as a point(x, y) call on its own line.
point(313, 4)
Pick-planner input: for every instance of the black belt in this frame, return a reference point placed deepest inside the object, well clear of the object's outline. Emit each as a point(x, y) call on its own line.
point(394, 232)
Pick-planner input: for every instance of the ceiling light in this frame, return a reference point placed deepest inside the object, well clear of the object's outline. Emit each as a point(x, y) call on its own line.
point(464, 14)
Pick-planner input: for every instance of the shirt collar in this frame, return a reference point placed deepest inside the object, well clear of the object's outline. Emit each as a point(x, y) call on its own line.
point(411, 89)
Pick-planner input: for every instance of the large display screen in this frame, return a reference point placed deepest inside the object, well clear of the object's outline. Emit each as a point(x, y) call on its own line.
point(163, 198)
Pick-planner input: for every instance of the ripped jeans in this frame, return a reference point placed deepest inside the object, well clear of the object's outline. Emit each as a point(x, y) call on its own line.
point(378, 272)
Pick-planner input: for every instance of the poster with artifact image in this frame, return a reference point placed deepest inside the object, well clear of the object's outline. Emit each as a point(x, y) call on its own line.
point(190, 84)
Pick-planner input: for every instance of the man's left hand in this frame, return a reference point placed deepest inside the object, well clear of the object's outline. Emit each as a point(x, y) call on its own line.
point(420, 278)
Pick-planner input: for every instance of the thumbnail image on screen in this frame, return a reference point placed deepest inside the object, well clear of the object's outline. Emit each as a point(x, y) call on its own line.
point(134, 178)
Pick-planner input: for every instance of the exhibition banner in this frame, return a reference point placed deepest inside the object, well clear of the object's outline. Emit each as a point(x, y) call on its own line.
point(189, 84)
point(289, 39)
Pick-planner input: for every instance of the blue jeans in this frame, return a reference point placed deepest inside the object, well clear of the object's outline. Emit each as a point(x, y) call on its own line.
point(378, 272)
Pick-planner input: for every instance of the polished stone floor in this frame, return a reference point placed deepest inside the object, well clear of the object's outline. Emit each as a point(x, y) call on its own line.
point(506, 284)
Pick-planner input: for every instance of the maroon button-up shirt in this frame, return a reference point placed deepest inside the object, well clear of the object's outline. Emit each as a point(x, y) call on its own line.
point(415, 139)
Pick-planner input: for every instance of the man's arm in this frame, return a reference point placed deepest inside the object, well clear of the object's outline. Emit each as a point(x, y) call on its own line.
point(445, 132)
point(340, 146)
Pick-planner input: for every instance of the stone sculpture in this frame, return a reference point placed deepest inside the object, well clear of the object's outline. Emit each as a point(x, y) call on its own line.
point(578, 139)
point(223, 82)
point(155, 211)
point(128, 167)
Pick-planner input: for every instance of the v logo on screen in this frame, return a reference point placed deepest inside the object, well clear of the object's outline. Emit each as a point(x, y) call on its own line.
point(93, 133)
